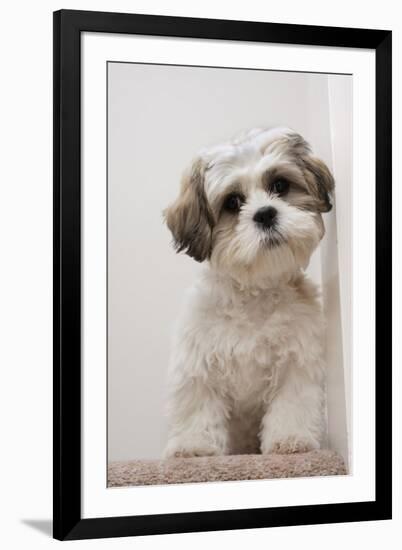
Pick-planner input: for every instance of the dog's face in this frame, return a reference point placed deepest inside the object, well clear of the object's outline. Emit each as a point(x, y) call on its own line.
point(253, 206)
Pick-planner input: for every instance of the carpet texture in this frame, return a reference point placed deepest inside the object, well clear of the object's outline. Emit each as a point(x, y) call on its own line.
point(224, 468)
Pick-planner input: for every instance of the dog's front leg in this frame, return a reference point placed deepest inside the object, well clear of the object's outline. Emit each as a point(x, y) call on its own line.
point(294, 419)
point(198, 419)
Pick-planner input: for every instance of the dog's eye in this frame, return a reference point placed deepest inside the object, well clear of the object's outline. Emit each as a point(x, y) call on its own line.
point(233, 202)
point(281, 187)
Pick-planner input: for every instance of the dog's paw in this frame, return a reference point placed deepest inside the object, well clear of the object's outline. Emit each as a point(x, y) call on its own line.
point(192, 447)
point(289, 445)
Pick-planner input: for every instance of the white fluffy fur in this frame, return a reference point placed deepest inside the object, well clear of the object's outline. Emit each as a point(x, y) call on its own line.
point(246, 371)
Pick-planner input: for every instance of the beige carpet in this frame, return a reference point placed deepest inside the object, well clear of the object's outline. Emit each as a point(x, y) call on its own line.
point(224, 468)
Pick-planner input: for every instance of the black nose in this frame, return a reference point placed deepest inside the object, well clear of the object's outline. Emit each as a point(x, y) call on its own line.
point(265, 216)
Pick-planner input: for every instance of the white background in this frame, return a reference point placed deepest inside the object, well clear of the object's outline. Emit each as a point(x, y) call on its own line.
point(159, 117)
point(25, 219)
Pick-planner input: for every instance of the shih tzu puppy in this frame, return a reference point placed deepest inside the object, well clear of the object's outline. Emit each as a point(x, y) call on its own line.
point(246, 372)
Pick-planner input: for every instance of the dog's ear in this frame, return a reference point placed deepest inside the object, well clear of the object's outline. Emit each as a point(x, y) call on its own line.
point(320, 182)
point(190, 218)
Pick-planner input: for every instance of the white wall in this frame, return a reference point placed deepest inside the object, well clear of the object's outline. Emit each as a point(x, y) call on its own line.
point(337, 270)
point(159, 117)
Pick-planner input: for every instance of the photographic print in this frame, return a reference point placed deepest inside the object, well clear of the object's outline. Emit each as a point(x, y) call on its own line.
point(222, 253)
point(225, 359)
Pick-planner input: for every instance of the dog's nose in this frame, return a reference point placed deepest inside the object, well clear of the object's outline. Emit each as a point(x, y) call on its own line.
point(265, 216)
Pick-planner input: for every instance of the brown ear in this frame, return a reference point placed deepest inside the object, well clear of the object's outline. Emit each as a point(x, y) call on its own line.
point(190, 218)
point(320, 182)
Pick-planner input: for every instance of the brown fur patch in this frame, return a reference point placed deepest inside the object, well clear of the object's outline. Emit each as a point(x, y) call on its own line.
point(190, 218)
point(320, 182)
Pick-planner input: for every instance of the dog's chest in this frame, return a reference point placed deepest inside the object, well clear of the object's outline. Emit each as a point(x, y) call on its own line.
point(245, 344)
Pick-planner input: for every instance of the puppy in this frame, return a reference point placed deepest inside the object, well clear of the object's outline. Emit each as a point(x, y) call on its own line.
point(246, 372)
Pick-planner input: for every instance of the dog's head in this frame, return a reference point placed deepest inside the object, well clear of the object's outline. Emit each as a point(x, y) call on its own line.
point(253, 206)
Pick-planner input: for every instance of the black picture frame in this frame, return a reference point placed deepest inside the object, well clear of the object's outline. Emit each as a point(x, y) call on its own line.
point(68, 26)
